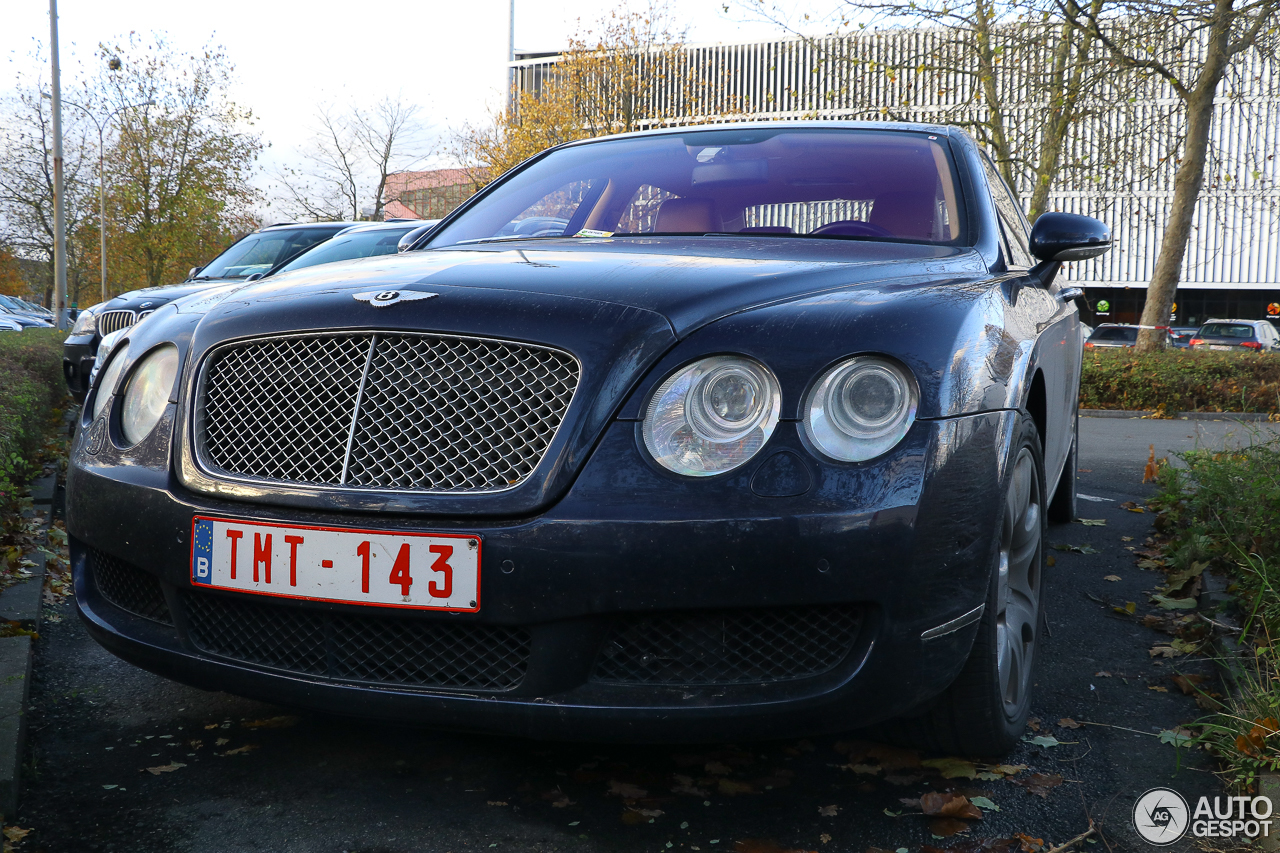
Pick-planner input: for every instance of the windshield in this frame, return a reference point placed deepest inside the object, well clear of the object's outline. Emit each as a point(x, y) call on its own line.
point(260, 252)
point(13, 305)
point(1227, 330)
point(832, 183)
point(361, 244)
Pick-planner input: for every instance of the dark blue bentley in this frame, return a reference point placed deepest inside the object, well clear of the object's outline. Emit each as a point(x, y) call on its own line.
point(737, 431)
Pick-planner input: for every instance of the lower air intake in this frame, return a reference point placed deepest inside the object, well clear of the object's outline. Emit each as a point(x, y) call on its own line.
point(129, 587)
point(727, 646)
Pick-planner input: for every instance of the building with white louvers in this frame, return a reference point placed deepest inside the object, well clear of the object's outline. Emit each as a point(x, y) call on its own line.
point(1118, 166)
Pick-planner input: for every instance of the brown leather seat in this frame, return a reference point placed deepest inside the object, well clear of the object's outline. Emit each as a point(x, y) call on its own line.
point(687, 216)
point(906, 214)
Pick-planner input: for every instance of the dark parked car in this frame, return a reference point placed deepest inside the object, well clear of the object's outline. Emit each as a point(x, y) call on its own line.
point(1180, 336)
point(757, 436)
point(1238, 335)
point(1110, 335)
point(254, 253)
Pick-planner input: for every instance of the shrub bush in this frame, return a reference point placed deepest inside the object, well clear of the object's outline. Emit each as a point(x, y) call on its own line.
point(32, 391)
point(1180, 381)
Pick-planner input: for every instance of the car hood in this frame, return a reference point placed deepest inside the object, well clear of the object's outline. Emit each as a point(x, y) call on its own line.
point(156, 296)
point(690, 281)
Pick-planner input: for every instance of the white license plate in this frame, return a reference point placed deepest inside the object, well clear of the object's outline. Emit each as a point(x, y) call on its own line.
point(1218, 346)
point(425, 571)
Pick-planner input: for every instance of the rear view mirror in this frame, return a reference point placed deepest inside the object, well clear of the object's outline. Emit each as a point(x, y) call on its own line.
point(731, 173)
point(1068, 237)
point(195, 271)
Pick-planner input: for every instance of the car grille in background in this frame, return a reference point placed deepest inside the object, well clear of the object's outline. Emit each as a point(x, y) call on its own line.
point(383, 411)
point(114, 321)
point(128, 587)
point(728, 646)
point(378, 649)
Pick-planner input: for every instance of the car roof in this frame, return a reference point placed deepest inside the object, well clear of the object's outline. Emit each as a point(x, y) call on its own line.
point(362, 227)
point(891, 127)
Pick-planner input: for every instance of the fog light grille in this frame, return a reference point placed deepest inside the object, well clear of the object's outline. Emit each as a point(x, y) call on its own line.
point(129, 587)
point(377, 649)
point(727, 646)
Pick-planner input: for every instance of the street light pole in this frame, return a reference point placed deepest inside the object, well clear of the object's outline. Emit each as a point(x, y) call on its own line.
point(59, 206)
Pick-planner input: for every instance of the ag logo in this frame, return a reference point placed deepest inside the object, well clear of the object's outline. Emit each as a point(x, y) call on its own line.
point(1160, 816)
point(1104, 305)
point(383, 298)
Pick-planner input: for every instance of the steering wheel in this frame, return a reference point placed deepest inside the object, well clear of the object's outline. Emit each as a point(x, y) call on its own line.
point(852, 228)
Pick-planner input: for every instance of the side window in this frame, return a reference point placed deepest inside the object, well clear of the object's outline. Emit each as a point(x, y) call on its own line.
point(641, 212)
point(550, 214)
point(1011, 217)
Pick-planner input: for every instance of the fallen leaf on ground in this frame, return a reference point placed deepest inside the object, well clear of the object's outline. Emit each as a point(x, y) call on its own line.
point(1112, 578)
point(1044, 740)
point(763, 845)
point(952, 768)
point(165, 768)
point(1033, 723)
point(1039, 783)
point(1188, 683)
point(1068, 723)
point(715, 768)
point(222, 741)
point(631, 816)
point(945, 827)
point(1102, 673)
point(283, 722)
point(16, 833)
point(1093, 522)
point(1176, 737)
point(1050, 561)
point(730, 787)
point(936, 804)
point(684, 785)
point(828, 811)
point(1029, 844)
point(497, 802)
point(999, 771)
point(626, 790)
point(241, 750)
point(1075, 549)
point(824, 838)
point(985, 804)
point(1163, 652)
point(1150, 471)
point(1157, 688)
point(1126, 538)
point(1132, 507)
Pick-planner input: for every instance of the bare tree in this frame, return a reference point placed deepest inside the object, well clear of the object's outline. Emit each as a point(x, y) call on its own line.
point(1190, 47)
point(349, 158)
point(26, 185)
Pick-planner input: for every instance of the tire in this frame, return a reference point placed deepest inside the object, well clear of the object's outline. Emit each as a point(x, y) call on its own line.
point(984, 711)
point(1062, 509)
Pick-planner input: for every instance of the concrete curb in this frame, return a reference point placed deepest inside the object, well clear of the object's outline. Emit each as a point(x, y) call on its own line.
point(20, 603)
point(1183, 416)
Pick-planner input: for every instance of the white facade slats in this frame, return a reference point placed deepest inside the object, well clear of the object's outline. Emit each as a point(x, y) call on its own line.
point(1118, 167)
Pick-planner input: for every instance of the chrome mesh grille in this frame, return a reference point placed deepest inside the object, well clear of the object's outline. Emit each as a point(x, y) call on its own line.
point(751, 646)
point(114, 321)
point(375, 649)
point(383, 411)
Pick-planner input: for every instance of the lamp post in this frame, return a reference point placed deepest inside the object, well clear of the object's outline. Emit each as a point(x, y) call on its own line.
point(102, 178)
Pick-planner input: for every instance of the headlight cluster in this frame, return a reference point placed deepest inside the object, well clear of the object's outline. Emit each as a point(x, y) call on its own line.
point(146, 393)
point(712, 416)
point(87, 322)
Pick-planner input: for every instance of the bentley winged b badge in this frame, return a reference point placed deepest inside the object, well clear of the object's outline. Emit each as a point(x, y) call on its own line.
point(383, 298)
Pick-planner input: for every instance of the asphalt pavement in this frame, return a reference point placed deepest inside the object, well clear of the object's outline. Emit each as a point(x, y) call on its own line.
point(121, 760)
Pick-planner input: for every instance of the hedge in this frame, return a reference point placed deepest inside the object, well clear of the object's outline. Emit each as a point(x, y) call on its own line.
point(31, 391)
point(1180, 381)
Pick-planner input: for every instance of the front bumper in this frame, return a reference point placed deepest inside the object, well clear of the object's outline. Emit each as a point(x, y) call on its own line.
point(892, 548)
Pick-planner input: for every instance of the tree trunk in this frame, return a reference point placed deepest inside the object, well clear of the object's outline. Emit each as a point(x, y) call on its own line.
point(1187, 182)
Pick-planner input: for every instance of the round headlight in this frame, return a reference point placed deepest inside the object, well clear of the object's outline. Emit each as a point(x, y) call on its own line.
point(712, 416)
point(147, 393)
point(861, 408)
point(106, 381)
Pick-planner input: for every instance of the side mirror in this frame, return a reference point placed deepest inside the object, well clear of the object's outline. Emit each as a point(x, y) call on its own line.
point(254, 277)
point(195, 271)
point(1068, 237)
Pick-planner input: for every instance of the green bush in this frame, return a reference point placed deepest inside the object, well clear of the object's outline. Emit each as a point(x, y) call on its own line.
point(1180, 381)
point(32, 390)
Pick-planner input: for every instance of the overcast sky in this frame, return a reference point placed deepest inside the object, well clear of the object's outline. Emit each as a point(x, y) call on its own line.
point(449, 57)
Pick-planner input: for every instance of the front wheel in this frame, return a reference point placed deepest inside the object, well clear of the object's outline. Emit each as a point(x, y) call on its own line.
point(984, 711)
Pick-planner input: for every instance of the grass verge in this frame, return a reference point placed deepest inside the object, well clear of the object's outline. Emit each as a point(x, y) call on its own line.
point(1181, 381)
point(1222, 513)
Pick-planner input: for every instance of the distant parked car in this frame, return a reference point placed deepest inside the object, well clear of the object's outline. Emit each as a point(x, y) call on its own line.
point(22, 312)
point(1256, 335)
point(8, 325)
point(1110, 335)
point(1181, 336)
point(360, 241)
point(256, 253)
